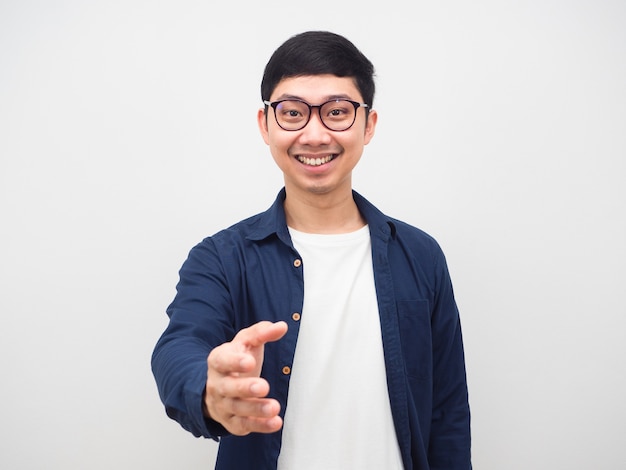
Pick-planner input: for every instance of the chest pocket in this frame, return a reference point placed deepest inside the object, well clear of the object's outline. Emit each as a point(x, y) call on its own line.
point(416, 338)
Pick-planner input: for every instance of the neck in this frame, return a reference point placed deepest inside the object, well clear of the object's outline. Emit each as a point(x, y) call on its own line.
point(324, 214)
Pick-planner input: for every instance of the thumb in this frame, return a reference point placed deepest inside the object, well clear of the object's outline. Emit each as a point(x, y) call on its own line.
point(261, 333)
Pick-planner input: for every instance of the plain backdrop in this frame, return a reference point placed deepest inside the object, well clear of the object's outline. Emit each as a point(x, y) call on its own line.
point(128, 134)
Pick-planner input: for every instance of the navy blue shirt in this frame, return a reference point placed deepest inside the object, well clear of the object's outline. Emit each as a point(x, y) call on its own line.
point(251, 272)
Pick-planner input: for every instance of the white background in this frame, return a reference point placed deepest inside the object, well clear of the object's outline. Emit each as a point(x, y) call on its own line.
point(128, 133)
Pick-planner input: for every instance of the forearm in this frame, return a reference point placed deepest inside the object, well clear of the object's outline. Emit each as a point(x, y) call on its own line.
point(198, 323)
point(450, 437)
point(179, 368)
point(450, 440)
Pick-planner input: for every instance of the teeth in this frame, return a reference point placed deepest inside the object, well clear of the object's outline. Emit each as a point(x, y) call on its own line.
point(314, 161)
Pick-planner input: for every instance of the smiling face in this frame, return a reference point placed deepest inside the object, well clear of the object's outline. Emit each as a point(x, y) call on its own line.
point(316, 160)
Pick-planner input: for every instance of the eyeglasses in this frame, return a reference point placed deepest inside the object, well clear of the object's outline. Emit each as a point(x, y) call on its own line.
point(336, 115)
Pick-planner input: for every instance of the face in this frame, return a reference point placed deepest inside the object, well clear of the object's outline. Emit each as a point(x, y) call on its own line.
point(316, 160)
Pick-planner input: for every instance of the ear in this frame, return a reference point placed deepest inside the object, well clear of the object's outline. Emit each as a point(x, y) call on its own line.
point(261, 118)
point(370, 127)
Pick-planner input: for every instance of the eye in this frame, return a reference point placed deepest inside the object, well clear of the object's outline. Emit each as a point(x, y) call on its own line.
point(338, 110)
point(292, 111)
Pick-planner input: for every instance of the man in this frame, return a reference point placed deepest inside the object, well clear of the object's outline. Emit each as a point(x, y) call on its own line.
point(320, 334)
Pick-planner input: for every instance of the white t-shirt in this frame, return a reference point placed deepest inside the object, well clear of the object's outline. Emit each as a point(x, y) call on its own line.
point(338, 414)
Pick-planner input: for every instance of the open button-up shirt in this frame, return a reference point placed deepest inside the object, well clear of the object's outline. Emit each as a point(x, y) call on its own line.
point(251, 272)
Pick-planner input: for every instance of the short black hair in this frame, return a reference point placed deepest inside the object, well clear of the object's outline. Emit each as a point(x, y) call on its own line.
point(318, 53)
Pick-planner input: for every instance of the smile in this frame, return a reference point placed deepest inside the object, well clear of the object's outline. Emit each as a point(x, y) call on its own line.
point(315, 161)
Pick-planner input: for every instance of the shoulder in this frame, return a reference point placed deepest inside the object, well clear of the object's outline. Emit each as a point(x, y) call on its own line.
point(221, 253)
point(383, 223)
point(416, 244)
point(255, 228)
point(235, 235)
point(412, 234)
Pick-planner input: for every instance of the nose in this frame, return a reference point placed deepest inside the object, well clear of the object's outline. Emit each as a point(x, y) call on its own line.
point(315, 132)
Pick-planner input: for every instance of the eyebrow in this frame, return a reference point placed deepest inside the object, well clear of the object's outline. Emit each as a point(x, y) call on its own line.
point(286, 96)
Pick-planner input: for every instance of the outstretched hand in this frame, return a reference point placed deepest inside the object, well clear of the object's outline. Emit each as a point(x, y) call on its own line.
point(235, 394)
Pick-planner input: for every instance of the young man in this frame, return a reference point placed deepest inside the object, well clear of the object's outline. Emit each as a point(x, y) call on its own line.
point(321, 334)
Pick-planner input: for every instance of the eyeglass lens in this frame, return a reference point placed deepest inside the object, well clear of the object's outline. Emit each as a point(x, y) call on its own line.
point(337, 115)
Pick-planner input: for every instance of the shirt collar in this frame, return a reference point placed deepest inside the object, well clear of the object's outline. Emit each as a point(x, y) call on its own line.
point(273, 221)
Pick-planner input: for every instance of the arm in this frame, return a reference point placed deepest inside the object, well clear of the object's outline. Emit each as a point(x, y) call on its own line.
point(206, 374)
point(450, 427)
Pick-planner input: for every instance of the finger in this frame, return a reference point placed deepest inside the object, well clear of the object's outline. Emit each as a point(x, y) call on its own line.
point(261, 333)
point(265, 408)
point(241, 426)
point(233, 357)
point(241, 416)
point(238, 387)
point(224, 408)
point(227, 359)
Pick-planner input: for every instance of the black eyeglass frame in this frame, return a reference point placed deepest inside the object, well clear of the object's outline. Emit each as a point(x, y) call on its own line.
point(356, 105)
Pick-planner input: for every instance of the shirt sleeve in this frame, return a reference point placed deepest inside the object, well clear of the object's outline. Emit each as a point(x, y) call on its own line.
point(449, 446)
point(199, 321)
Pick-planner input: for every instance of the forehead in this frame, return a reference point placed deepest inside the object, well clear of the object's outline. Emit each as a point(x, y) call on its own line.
point(316, 88)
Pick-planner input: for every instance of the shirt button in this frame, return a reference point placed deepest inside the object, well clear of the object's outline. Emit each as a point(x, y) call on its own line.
point(297, 263)
point(286, 370)
point(295, 316)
